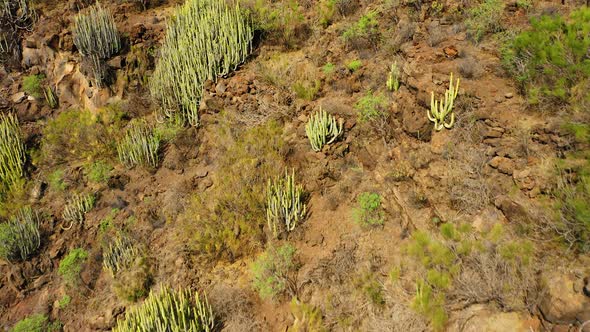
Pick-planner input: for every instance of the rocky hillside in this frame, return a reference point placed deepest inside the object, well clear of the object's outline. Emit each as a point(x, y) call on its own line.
point(294, 165)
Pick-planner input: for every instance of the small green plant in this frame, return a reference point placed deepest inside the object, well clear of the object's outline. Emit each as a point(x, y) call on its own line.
point(201, 31)
point(393, 78)
point(76, 208)
point(140, 146)
point(285, 204)
point(354, 65)
point(56, 180)
point(369, 211)
point(371, 288)
point(32, 85)
point(169, 310)
point(273, 271)
point(20, 237)
point(64, 302)
point(484, 18)
point(98, 171)
point(133, 282)
point(329, 68)
point(440, 110)
point(50, 97)
point(365, 32)
point(12, 152)
point(34, 323)
point(307, 317)
point(96, 33)
point(71, 266)
point(306, 89)
point(322, 128)
point(370, 107)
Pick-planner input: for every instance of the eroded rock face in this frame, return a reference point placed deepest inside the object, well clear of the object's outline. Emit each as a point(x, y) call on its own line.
point(478, 318)
point(564, 302)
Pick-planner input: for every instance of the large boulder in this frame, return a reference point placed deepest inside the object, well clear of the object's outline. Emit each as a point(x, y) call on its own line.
point(564, 301)
point(479, 318)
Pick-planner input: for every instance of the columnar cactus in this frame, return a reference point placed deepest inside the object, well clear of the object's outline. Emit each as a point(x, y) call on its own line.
point(77, 208)
point(12, 151)
point(393, 78)
point(440, 110)
point(169, 311)
point(139, 146)
point(285, 206)
point(96, 34)
point(322, 128)
point(20, 237)
point(119, 255)
point(204, 40)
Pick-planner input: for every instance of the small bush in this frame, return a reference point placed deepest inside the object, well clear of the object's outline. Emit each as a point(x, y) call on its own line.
point(280, 21)
point(71, 266)
point(369, 211)
point(370, 107)
point(370, 288)
point(34, 323)
point(56, 180)
point(550, 60)
point(307, 317)
point(98, 171)
point(307, 90)
point(140, 146)
point(200, 29)
point(169, 310)
point(32, 85)
point(329, 68)
point(354, 65)
point(20, 237)
point(12, 153)
point(133, 283)
point(273, 272)
point(64, 302)
point(364, 33)
point(77, 207)
point(96, 33)
point(484, 18)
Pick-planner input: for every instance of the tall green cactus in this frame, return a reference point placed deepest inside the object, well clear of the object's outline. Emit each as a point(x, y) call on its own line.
point(119, 255)
point(76, 209)
point(393, 78)
point(169, 311)
point(322, 128)
point(96, 33)
point(140, 146)
point(205, 39)
point(12, 152)
point(20, 237)
point(440, 110)
point(285, 206)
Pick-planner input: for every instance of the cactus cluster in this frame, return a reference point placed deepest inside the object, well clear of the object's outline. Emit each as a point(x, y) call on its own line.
point(443, 109)
point(12, 151)
point(76, 208)
point(285, 204)
point(18, 13)
point(139, 146)
point(119, 255)
point(20, 237)
point(322, 128)
point(393, 78)
point(50, 97)
point(169, 311)
point(95, 33)
point(205, 39)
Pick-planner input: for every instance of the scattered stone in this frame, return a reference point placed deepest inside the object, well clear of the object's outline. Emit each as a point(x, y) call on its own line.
point(220, 88)
point(30, 43)
point(560, 303)
point(513, 211)
point(205, 184)
point(502, 164)
point(18, 97)
point(509, 95)
point(493, 133)
point(117, 62)
point(451, 52)
point(416, 123)
point(38, 190)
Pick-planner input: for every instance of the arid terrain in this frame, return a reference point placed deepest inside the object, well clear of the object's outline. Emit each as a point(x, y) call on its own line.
point(154, 146)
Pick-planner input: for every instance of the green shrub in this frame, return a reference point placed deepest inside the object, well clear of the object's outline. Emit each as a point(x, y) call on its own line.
point(573, 195)
point(133, 282)
point(76, 135)
point(370, 107)
point(96, 33)
point(369, 211)
point(229, 220)
point(71, 266)
point(204, 40)
point(34, 323)
point(322, 128)
point(140, 146)
point(273, 271)
point(285, 204)
point(363, 33)
point(56, 180)
point(484, 18)
point(77, 207)
point(20, 237)
point(64, 302)
point(329, 68)
point(280, 21)
point(12, 153)
point(393, 78)
point(371, 288)
point(307, 89)
point(32, 85)
point(169, 310)
point(98, 171)
point(354, 65)
point(550, 60)
point(307, 317)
